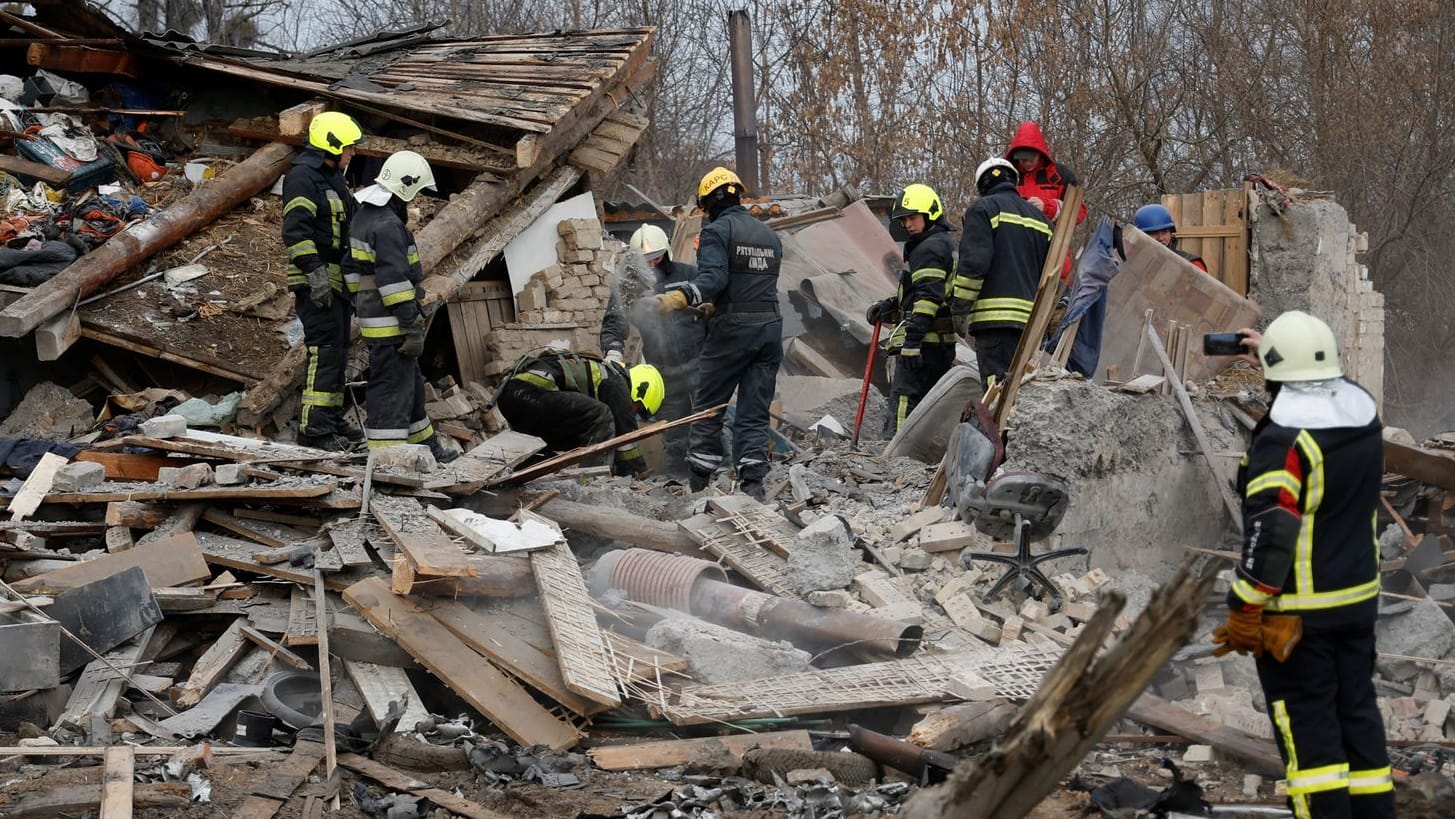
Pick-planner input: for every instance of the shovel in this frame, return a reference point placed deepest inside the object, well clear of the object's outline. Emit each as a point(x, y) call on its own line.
point(864, 391)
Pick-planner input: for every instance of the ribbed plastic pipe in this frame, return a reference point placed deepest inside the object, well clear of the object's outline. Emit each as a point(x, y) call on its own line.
point(656, 578)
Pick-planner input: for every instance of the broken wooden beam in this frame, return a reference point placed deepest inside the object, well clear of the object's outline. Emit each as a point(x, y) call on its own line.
point(430, 551)
point(116, 790)
point(397, 781)
point(619, 524)
point(213, 664)
point(143, 239)
point(1260, 755)
point(176, 561)
point(580, 454)
point(645, 756)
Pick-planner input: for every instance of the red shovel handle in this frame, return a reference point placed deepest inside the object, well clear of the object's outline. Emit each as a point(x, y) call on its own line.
point(864, 390)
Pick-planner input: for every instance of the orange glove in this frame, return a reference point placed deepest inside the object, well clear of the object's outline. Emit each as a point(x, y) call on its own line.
point(1242, 633)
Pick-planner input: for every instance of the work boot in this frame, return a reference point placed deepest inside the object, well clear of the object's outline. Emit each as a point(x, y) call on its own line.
point(441, 453)
point(696, 481)
point(753, 488)
point(351, 432)
point(331, 441)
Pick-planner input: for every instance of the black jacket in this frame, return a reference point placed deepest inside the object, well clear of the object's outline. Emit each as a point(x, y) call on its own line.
point(738, 258)
point(670, 340)
point(317, 209)
point(929, 259)
point(1002, 251)
point(1310, 485)
point(601, 380)
point(384, 260)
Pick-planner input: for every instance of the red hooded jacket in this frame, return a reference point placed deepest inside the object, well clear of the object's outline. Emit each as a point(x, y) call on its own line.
point(1049, 183)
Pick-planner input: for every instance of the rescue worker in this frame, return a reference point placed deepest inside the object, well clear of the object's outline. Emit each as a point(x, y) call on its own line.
point(1043, 180)
point(570, 400)
point(384, 258)
point(738, 258)
point(317, 207)
point(1002, 251)
point(670, 343)
point(1156, 221)
point(925, 341)
point(1310, 484)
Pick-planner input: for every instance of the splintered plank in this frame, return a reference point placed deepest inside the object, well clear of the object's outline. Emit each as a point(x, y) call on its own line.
point(644, 756)
point(428, 548)
point(285, 777)
point(93, 699)
point(112, 491)
point(508, 449)
point(221, 550)
point(382, 687)
point(580, 454)
point(502, 701)
point(213, 664)
point(580, 650)
point(399, 781)
point(302, 620)
point(348, 541)
point(116, 782)
point(217, 517)
point(34, 490)
point(1259, 753)
point(740, 551)
point(173, 561)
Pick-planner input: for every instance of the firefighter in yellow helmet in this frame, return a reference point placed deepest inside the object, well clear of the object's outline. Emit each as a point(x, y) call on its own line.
point(571, 400)
point(738, 260)
point(1305, 595)
point(923, 342)
point(669, 342)
point(317, 208)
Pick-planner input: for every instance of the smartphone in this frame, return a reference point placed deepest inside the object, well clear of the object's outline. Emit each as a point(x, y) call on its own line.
point(1223, 344)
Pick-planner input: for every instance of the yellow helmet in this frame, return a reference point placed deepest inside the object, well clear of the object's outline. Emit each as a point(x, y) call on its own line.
point(333, 131)
point(1299, 347)
point(650, 241)
point(648, 389)
point(918, 198)
point(717, 178)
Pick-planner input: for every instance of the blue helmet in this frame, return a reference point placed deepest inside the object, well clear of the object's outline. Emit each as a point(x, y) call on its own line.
point(1151, 218)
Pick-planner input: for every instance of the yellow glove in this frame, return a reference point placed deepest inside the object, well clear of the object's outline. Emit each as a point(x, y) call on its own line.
point(671, 301)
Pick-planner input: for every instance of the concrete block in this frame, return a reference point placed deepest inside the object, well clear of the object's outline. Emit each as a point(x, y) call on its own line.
point(914, 560)
point(164, 426)
point(823, 556)
point(1198, 753)
point(80, 476)
point(1034, 610)
point(960, 583)
point(972, 687)
point(961, 611)
point(947, 536)
point(1011, 629)
point(912, 524)
point(1209, 678)
point(118, 539)
point(229, 475)
point(1081, 612)
point(185, 477)
point(835, 599)
point(717, 655)
point(533, 296)
point(1093, 581)
point(1251, 784)
point(1436, 712)
point(892, 555)
point(1405, 708)
point(906, 611)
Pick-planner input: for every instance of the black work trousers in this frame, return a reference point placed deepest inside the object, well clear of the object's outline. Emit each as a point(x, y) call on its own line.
point(564, 420)
point(1327, 724)
point(742, 353)
point(909, 385)
point(680, 379)
point(395, 400)
point(994, 351)
point(326, 338)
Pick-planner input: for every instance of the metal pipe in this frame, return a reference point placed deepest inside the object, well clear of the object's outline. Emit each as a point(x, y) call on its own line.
point(691, 585)
point(745, 122)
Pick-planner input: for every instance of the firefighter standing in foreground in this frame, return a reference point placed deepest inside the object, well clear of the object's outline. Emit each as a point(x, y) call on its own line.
point(386, 261)
point(925, 342)
point(317, 208)
point(738, 259)
point(1310, 566)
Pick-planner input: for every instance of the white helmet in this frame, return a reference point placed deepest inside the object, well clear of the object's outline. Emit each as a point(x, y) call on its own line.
point(650, 241)
point(405, 173)
point(1299, 347)
point(995, 169)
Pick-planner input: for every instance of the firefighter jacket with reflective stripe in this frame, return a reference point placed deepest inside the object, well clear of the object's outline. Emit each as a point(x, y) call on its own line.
point(923, 299)
point(1002, 251)
point(317, 209)
point(668, 340)
point(738, 258)
point(1310, 486)
point(606, 382)
point(383, 257)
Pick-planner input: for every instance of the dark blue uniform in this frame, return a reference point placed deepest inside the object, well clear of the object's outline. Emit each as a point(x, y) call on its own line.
point(738, 259)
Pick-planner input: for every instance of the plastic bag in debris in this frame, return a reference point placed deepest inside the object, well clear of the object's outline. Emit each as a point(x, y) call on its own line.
point(70, 135)
point(45, 88)
point(11, 88)
point(200, 413)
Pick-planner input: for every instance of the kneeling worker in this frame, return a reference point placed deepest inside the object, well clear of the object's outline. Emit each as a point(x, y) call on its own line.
point(570, 400)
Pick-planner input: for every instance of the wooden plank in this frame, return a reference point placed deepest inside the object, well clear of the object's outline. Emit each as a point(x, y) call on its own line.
point(141, 347)
point(428, 548)
point(93, 699)
point(348, 540)
point(645, 756)
point(254, 493)
point(325, 678)
point(1261, 755)
point(580, 650)
point(275, 649)
point(36, 486)
point(16, 166)
point(126, 466)
point(508, 449)
point(217, 517)
point(531, 663)
point(285, 777)
point(580, 454)
point(1235, 255)
point(258, 807)
point(120, 762)
point(1428, 466)
point(1235, 510)
point(398, 781)
point(302, 620)
point(174, 561)
point(499, 698)
point(381, 687)
point(213, 664)
point(231, 553)
point(81, 800)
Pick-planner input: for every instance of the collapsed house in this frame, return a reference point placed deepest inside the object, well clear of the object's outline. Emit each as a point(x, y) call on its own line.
point(216, 615)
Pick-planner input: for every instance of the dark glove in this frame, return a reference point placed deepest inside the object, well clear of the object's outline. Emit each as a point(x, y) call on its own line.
point(320, 292)
point(634, 465)
point(910, 359)
point(880, 311)
point(413, 345)
point(1242, 633)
